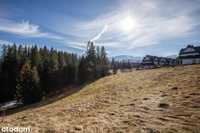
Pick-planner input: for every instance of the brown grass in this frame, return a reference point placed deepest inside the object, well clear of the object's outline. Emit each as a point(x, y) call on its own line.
point(162, 100)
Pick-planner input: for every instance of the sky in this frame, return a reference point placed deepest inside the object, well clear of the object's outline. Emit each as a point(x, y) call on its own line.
point(124, 27)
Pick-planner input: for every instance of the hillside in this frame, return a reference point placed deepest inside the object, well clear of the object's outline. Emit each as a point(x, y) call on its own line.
point(159, 100)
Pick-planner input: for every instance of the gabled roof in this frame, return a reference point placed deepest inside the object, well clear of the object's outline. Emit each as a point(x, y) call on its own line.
point(190, 52)
point(197, 49)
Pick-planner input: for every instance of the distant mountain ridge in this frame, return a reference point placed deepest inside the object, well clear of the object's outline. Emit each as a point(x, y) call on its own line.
point(137, 59)
point(128, 58)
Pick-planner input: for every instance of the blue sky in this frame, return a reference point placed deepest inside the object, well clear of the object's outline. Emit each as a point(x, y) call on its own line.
point(128, 27)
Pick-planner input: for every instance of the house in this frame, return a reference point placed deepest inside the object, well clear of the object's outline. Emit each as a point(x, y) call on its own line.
point(189, 55)
point(150, 62)
point(172, 62)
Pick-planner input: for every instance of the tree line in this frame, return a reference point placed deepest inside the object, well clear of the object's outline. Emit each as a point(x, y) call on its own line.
point(29, 74)
point(122, 65)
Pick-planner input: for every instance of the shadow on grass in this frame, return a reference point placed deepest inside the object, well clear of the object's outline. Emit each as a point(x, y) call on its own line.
point(55, 96)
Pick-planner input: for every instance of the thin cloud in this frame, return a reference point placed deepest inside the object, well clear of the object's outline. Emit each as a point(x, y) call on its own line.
point(25, 28)
point(155, 21)
point(100, 34)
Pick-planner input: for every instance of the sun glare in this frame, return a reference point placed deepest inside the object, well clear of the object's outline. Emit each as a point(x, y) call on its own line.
point(127, 24)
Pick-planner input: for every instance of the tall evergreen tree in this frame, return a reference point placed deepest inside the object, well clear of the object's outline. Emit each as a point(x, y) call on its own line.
point(28, 85)
point(104, 62)
point(91, 61)
point(82, 70)
point(35, 56)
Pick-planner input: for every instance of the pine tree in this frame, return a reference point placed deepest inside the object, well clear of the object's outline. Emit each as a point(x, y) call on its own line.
point(61, 60)
point(28, 85)
point(104, 62)
point(114, 66)
point(53, 61)
point(35, 56)
point(82, 70)
point(98, 63)
point(10, 71)
point(91, 60)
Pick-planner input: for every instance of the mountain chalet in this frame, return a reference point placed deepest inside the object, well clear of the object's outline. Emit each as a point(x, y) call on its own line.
point(189, 55)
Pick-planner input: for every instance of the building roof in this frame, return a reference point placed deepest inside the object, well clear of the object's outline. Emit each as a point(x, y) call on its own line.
point(190, 52)
point(196, 49)
point(152, 60)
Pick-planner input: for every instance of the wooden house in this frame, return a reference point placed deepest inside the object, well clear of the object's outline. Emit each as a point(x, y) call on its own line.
point(189, 55)
point(150, 62)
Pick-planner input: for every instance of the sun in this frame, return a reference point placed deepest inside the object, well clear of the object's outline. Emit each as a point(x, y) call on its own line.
point(127, 24)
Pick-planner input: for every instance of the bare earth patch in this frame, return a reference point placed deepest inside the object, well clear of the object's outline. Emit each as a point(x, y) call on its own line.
point(165, 100)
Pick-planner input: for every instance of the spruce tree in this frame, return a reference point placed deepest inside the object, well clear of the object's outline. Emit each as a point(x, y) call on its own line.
point(28, 85)
point(104, 62)
point(91, 61)
point(82, 70)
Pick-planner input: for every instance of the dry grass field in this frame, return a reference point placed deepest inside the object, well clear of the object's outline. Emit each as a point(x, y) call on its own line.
point(165, 100)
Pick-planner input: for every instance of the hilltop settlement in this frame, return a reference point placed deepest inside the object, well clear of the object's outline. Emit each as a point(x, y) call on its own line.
point(187, 56)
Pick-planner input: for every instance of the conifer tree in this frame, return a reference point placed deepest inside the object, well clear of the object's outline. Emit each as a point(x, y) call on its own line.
point(28, 85)
point(104, 62)
point(28, 72)
point(82, 70)
point(91, 61)
point(35, 56)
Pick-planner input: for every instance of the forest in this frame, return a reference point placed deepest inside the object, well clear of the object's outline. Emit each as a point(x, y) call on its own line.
point(29, 74)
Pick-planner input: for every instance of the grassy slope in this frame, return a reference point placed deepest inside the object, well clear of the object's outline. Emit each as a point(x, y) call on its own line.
point(138, 101)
